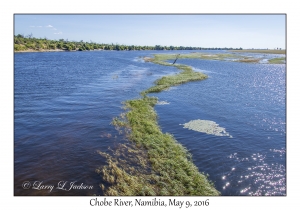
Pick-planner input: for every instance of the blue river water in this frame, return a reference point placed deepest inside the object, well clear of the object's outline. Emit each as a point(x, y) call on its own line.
point(64, 103)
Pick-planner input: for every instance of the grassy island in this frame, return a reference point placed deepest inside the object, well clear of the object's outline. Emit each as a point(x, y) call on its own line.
point(277, 60)
point(186, 75)
point(155, 164)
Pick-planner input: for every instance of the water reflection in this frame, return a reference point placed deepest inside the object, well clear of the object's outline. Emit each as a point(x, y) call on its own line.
point(260, 176)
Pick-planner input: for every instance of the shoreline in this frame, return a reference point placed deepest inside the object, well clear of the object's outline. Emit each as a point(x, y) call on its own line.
point(26, 51)
point(56, 50)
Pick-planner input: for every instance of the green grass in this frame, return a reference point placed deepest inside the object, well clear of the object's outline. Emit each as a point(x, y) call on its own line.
point(161, 58)
point(171, 170)
point(154, 163)
point(277, 60)
point(185, 75)
point(249, 60)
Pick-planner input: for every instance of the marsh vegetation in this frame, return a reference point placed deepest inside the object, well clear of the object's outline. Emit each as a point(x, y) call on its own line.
point(186, 74)
point(277, 60)
point(233, 57)
point(155, 164)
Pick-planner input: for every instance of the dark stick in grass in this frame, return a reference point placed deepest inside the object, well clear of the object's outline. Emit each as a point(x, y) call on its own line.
point(176, 58)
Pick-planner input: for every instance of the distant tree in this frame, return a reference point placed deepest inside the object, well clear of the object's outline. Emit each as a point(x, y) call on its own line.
point(29, 36)
point(59, 45)
point(52, 46)
point(29, 42)
point(69, 47)
point(20, 36)
point(87, 47)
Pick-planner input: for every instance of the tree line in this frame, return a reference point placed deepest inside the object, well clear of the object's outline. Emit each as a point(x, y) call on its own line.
point(22, 43)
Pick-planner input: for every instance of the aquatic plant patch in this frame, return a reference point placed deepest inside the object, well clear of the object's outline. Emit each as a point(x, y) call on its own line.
point(162, 103)
point(277, 60)
point(206, 126)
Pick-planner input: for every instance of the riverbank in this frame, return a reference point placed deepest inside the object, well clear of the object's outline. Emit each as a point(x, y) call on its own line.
point(155, 164)
point(46, 50)
point(30, 50)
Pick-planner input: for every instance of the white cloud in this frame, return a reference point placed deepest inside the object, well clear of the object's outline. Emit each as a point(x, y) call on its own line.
point(49, 26)
point(39, 26)
point(58, 32)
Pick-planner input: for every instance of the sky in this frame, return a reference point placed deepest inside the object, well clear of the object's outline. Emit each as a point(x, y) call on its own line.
point(246, 31)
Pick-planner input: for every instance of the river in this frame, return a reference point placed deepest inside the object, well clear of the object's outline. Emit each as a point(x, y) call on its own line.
point(64, 103)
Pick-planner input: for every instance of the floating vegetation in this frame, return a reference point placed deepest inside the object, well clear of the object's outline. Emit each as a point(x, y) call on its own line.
point(147, 59)
point(162, 103)
point(128, 172)
point(139, 59)
point(106, 135)
point(206, 126)
point(249, 60)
